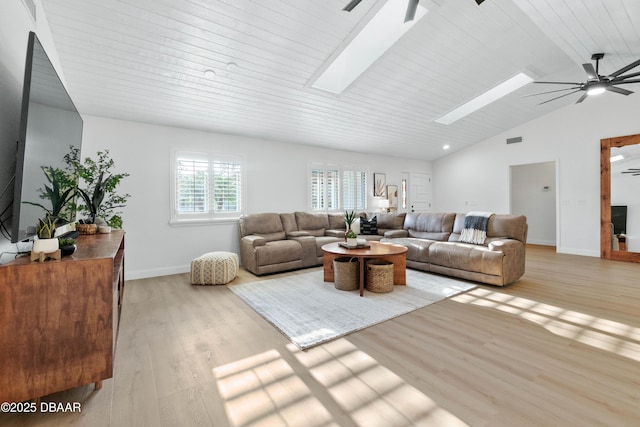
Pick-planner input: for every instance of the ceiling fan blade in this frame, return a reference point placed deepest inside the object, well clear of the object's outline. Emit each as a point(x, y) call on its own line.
point(591, 72)
point(560, 83)
point(411, 10)
point(621, 82)
point(558, 97)
point(351, 5)
point(625, 69)
point(550, 91)
point(582, 98)
point(621, 78)
point(619, 90)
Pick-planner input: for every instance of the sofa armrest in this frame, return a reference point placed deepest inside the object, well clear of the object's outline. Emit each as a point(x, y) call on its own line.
point(395, 234)
point(513, 263)
point(254, 240)
point(334, 233)
point(294, 234)
point(505, 245)
point(308, 244)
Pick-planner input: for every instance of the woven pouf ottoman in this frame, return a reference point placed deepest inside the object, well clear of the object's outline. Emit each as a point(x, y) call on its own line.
point(214, 268)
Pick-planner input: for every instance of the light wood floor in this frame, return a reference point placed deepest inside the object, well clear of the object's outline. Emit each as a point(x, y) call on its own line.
point(559, 348)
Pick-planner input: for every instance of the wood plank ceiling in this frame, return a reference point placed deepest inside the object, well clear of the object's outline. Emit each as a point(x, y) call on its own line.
point(145, 60)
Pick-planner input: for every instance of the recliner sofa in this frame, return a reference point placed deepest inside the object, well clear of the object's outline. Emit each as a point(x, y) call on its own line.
point(272, 242)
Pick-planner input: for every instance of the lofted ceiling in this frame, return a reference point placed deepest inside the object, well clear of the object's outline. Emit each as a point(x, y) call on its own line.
point(147, 61)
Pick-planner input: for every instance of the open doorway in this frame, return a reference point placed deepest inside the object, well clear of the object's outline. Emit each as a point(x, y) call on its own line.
point(533, 194)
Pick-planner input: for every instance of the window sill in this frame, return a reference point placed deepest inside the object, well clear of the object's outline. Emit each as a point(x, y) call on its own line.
point(202, 222)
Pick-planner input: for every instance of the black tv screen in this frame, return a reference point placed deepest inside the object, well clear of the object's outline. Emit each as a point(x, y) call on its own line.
point(619, 219)
point(49, 125)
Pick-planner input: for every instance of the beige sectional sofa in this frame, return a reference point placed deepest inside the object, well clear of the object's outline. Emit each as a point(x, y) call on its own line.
point(272, 242)
point(433, 245)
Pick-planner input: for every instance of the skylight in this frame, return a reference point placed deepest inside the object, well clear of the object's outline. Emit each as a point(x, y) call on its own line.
point(382, 32)
point(497, 92)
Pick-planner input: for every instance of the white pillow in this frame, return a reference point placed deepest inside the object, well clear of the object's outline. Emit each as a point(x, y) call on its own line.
point(355, 226)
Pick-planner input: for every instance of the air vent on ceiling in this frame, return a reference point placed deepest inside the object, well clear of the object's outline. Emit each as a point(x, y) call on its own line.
point(31, 8)
point(514, 140)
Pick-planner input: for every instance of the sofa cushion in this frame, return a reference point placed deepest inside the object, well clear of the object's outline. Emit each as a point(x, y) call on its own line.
point(321, 241)
point(289, 223)
point(440, 237)
point(368, 226)
point(277, 252)
point(390, 220)
point(336, 222)
point(417, 249)
point(429, 225)
point(356, 226)
point(267, 225)
point(466, 256)
point(314, 223)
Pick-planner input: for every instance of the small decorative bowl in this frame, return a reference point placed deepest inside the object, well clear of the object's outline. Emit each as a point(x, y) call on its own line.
point(104, 229)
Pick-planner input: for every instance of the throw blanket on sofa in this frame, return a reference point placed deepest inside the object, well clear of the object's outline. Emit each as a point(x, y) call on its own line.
point(475, 227)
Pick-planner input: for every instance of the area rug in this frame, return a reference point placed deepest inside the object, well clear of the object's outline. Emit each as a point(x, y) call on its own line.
point(309, 311)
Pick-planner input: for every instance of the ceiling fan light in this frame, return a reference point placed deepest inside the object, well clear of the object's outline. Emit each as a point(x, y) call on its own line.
point(596, 90)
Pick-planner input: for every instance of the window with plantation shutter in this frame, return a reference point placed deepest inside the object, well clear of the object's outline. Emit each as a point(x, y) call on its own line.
point(325, 188)
point(354, 190)
point(206, 186)
point(333, 188)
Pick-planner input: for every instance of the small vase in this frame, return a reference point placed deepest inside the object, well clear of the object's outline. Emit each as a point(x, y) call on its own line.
point(46, 246)
point(67, 250)
point(352, 242)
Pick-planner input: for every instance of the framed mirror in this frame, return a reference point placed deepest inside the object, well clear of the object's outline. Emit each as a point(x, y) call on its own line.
point(615, 239)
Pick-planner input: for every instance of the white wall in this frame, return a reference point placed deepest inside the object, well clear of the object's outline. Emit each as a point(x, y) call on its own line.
point(276, 179)
point(533, 193)
point(571, 137)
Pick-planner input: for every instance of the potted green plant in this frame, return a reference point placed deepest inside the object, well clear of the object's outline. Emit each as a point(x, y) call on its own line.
point(100, 201)
point(46, 242)
point(67, 246)
point(349, 218)
point(352, 239)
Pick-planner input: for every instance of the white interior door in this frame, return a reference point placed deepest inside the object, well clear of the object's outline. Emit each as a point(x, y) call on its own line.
point(420, 196)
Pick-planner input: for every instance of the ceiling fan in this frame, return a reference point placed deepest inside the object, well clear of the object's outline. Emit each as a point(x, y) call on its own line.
point(596, 83)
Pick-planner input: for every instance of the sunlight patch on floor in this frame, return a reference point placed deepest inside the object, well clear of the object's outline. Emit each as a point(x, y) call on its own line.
point(264, 390)
point(372, 394)
point(594, 331)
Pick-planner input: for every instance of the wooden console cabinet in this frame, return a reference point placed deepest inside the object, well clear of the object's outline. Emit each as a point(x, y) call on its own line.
point(59, 319)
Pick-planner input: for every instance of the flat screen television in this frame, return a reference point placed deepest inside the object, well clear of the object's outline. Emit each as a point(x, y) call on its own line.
point(49, 125)
point(619, 219)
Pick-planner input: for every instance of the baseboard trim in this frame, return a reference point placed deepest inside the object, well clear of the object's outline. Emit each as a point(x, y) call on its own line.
point(156, 272)
point(541, 242)
point(582, 252)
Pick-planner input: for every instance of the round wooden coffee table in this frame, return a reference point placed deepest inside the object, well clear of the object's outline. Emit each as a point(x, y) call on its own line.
point(396, 254)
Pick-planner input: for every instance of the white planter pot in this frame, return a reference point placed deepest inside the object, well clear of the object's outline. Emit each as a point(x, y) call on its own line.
point(45, 245)
point(352, 242)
